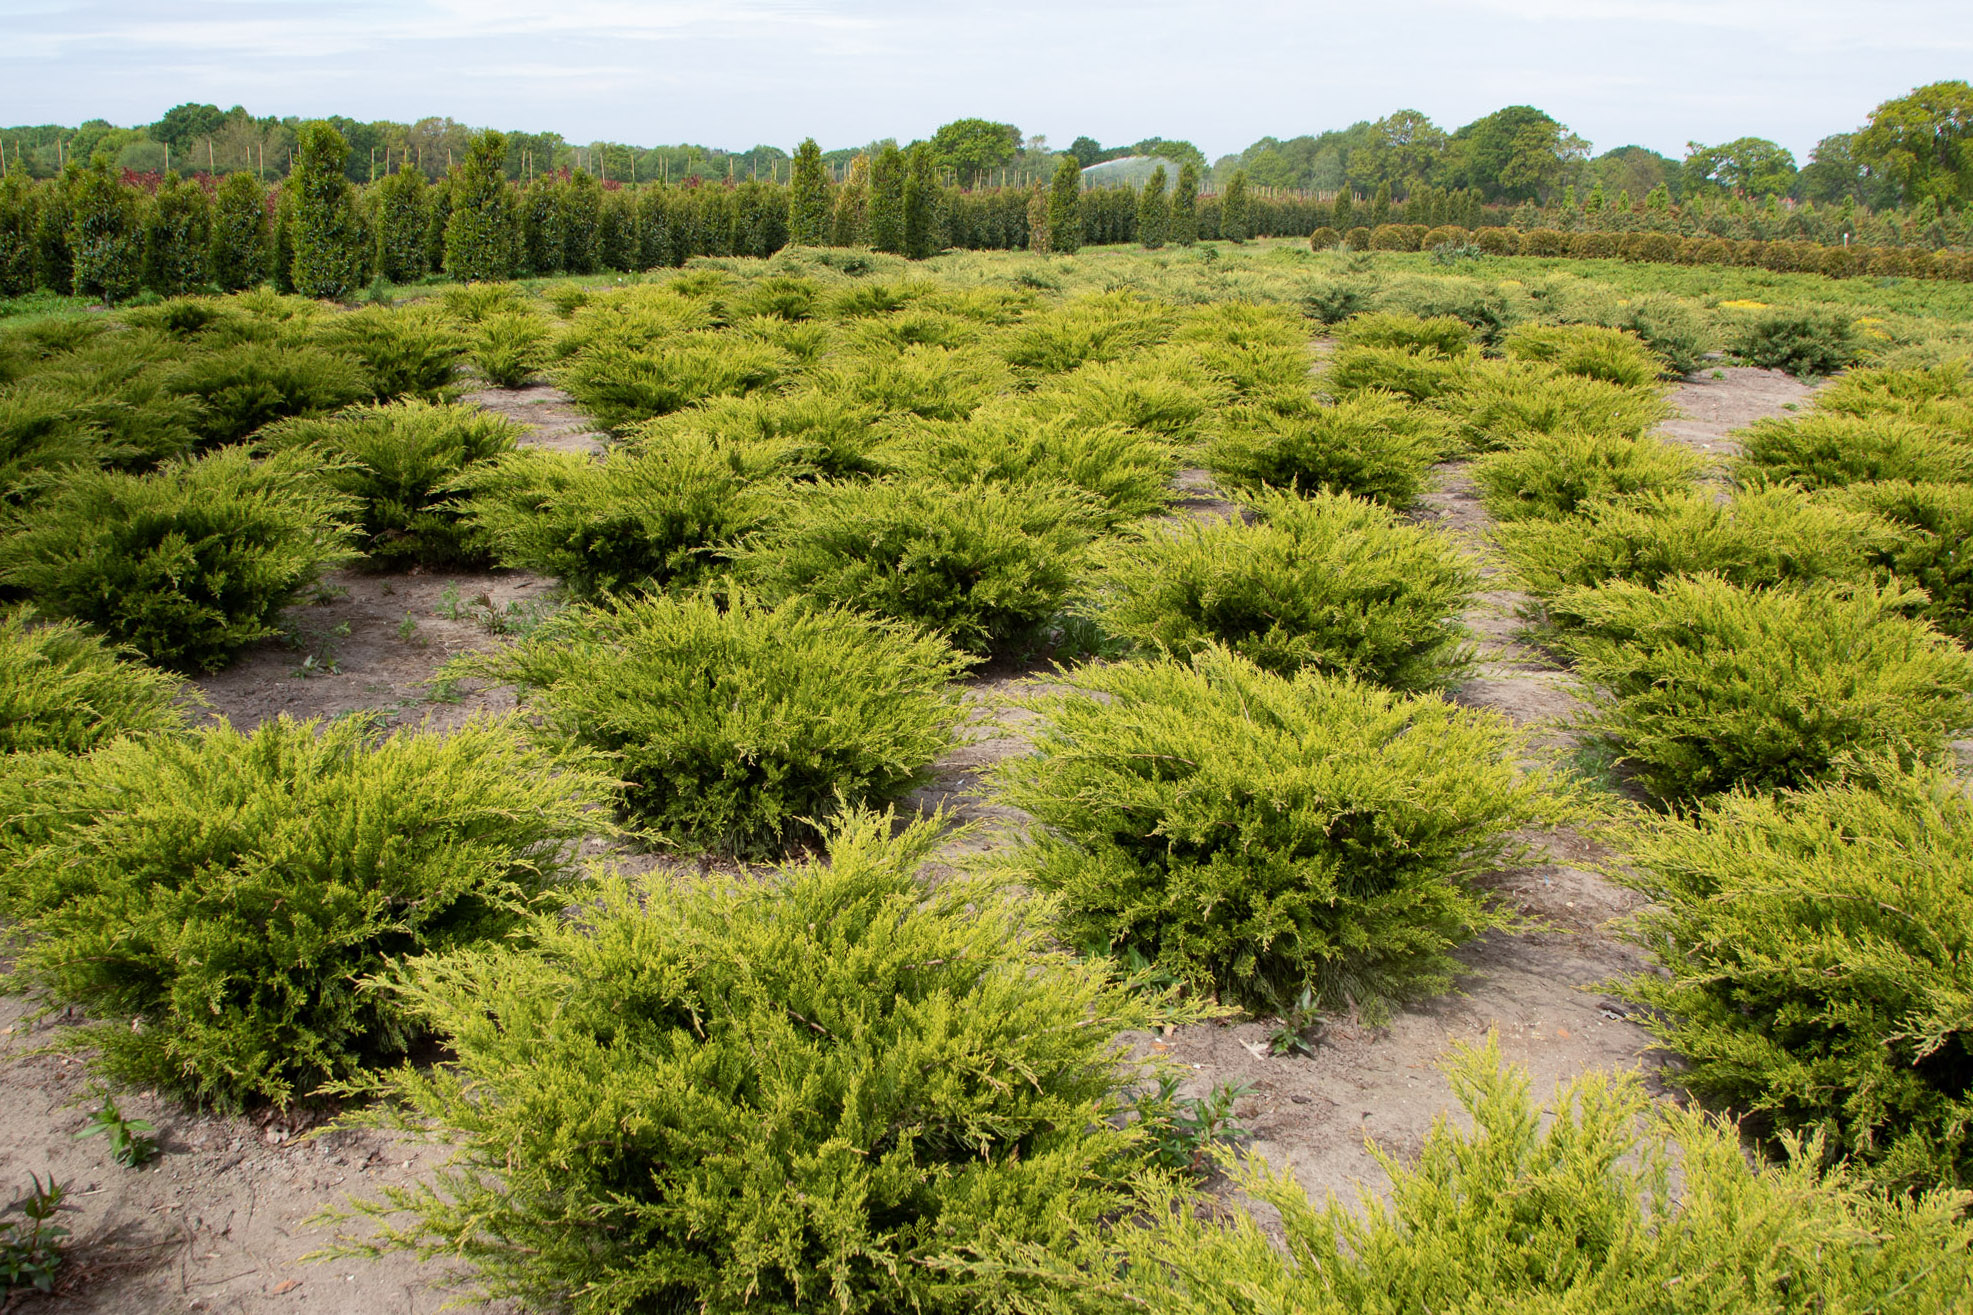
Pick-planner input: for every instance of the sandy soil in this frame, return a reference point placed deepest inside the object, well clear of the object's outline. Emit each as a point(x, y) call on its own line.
point(219, 1223)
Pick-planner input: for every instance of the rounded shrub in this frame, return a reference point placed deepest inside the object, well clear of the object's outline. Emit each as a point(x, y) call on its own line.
point(1704, 686)
point(1551, 476)
point(239, 388)
point(1255, 834)
point(620, 385)
point(63, 689)
point(1592, 246)
point(1544, 242)
point(1370, 444)
point(1446, 335)
point(1935, 527)
point(1329, 582)
point(510, 349)
point(1586, 350)
point(1805, 341)
point(1832, 451)
point(1126, 473)
point(1498, 241)
point(1495, 403)
point(1358, 238)
point(216, 902)
point(1324, 238)
point(632, 520)
point(401, 464)
point(986, 565)
point(1420, 376)
point(188, 565)
point(740, 728)
point(403, 353)
point(1815, 961)
point(808, 1090)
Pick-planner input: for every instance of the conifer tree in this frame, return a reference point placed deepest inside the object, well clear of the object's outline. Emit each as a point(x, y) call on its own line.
point(1185, 206)
point(17, 215)
point(887, 200)
point(1153, 211)
point(177, 238)
point(541, 227)
point(1623, 201)
point(921, 198)
point(331, 250)
point(582, 217)
point(1065, 206)
point(1380, 206)
point(238, 258)
point(1342, 212)
point(54, 263)
point(619, 245)
point(1038, 235)
point(282, 244)
point(1596, 200)
point(849, 226)
point(403, 216)
point(106, 234)
point(438, 214)
point(808, 198)
point(1235, 223)
point(479, 233)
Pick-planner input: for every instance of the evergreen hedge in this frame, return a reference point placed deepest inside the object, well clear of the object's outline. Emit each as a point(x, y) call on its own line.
point(403, 214)
point(740, 728)
point(808, 1091)
point(105, 235)
point(1255, 834)
point(216, 902)
point(188, 565)
point(1328, 583)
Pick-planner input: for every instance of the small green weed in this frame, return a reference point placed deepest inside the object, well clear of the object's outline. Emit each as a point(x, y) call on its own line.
point(130, 1144)
point(31, 1247)
point(1186, 1130)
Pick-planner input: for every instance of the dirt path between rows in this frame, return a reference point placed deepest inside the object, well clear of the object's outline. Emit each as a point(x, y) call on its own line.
point(219, 1223)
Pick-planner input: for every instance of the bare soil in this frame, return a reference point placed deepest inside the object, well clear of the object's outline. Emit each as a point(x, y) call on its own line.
point(219, 1222)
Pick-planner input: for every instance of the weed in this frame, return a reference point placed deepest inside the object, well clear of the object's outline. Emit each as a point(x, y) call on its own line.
point(130, 1143)
point(1187, 1132)
point(31, 1247)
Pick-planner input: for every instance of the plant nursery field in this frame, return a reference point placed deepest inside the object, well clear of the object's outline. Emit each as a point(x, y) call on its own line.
point(1209, 781)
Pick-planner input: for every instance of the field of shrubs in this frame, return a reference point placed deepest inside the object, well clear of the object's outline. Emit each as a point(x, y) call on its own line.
point(779, 1041)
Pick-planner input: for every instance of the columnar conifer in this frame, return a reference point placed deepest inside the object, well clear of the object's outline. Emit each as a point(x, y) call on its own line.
point(17, 214)
point(403, 214)
point(282, 244)
point(808, 198)
point(582, 217)
point(849, 226)
point(479, 233)
point(1185, 206)
point(106, 234)
point(1065, 206)
point(1235, 222)
point(331, 248)
point(238, 258)
point(1038, 236)
point(921, 198)
point(1380, 206)
point(887, 200)
point(1341, 214)
point(177, 238)
point(438, 214)
point(541, 227)
point(1153, 211)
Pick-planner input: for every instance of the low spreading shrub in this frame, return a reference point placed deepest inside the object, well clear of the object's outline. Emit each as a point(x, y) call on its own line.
point(928, 382)
point(1420, 376)
point(403, 353)
point(1104, 327)
point(401, 465)
point(1761, 537)
point(1831, 451)
point(1670, 327)
point(1805, 342)
point(1935, 524)
point(1328, 583)
point(216, 902)
point(1370, 444)
point(1496, 403)
point(794, 1094)
point(804, 435)
point(1704, 686)
point(620, 385)
point(1551, 476)
point(631, 520)
point(741, 728)
point(1127, 474)
point(1928, 394)
point(1445, 335)
point(1587, 351)
point(1813, 947)
point(1543, 1206)
point(1255, 834)
point(986, 565)
point(188, 565)
point(1167, 395)
point(62, 688)
point(510, 348)
point(250, 384)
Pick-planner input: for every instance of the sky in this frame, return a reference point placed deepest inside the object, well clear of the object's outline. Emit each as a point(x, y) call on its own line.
point(733, 73)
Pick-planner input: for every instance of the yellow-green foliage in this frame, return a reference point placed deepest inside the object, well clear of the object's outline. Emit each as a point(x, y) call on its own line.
point(805, 435)
point(62, 688)
point(631, 520)
point(986, 564)
point(1444, 335)
point(1167, 394)
point(1107, 327)
point(1599, 1202)
point(1760, 537)
point(403, 353)
point(1935, 529)
point(1371, 444)
point(1552, 476)
point(793, 1092)
point(1497, 402)
point(1816, 947)
point(188, 565)
point(511, 349)
point(1420, 376)
point(1585, 350)
point(401, 463)
point(1705, 686)
point(216, 902)
point(739, 728)
point(1256, 834)
point(1935, 395)
point(928, 382)
point(1830, 451)
point(1330, 583)
point(620, 385)
point(1129, 473)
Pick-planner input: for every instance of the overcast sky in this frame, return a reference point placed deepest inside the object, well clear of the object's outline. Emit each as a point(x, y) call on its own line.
point(733, 73)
